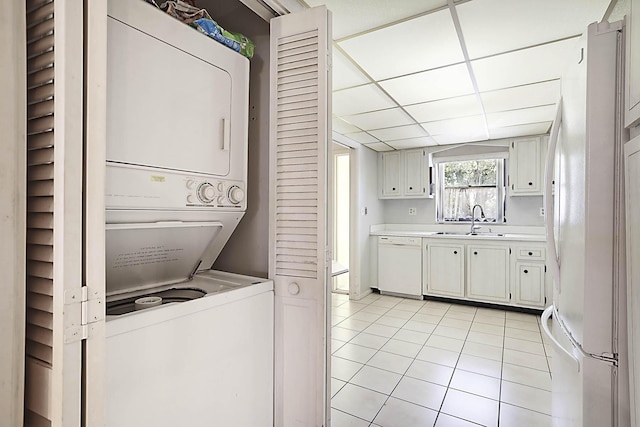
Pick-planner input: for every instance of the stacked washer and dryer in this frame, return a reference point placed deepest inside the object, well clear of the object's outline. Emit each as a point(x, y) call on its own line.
point(186, 345)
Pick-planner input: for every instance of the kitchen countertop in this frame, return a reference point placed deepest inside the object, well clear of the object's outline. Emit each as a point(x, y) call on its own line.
point(510, 233)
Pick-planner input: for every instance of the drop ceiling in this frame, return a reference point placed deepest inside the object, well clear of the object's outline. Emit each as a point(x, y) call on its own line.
point(415, 73)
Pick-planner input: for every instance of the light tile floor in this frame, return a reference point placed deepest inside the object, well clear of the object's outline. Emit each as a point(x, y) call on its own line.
point(403, 363)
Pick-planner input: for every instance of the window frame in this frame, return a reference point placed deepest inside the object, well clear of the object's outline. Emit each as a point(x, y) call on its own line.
point(500, 186)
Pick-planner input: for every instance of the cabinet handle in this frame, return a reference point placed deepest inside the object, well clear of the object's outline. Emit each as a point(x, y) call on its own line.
point(455, 252)
point(475, 253)
point(531, 183)
point(526, 271)
point(410, 188)
point(530, 253)
point(394, 188)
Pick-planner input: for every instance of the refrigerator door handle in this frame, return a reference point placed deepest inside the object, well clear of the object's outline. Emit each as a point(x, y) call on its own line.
point(548, 198)
point(544, 320)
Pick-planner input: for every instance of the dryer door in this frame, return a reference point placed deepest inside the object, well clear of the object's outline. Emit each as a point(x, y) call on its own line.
point(166, 108)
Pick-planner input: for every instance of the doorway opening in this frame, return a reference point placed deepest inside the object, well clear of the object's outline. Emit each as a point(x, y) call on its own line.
point(341, 214)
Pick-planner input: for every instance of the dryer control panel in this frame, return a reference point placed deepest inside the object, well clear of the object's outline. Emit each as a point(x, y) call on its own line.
point(209, 192)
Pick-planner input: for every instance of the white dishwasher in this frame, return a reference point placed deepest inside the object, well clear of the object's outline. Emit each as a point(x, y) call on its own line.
point(400, 265)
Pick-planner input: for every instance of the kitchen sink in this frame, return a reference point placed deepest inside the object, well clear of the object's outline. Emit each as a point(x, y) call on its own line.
point(458, 233)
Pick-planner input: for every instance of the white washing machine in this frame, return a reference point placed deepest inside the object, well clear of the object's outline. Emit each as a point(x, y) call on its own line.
point(177, 112)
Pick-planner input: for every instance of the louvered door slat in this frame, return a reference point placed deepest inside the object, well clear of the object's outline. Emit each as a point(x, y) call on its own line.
point(40, 109)
point(40, 93)
point(39, 78)
point(40, 172)
point(40, 204)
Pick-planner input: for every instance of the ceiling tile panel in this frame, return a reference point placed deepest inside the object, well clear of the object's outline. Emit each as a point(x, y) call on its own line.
point(471, 124)
point(496, 26)
point(521, 117)
point(362, 137)
point(343, 127)
point(401, 132)
point(401, 144)
point(360, 99)
point(459, 138)
point(445, 109)
point(431, 85)
point(380, 119)
point(345, 74)
point(525, 66)
point(354, 16)
point(419, 44)
point(533, 95)
point(379, 146)
point(521, 130)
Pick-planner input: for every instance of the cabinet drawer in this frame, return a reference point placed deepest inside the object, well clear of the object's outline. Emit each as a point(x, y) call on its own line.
point(531, 254)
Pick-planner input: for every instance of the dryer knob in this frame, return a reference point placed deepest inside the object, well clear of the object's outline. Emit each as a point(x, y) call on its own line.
point(206, 192)
point(235, 194)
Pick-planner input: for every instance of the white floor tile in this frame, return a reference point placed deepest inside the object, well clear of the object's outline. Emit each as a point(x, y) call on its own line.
point(484, 338)
point(514, 416)
point(342, 334)
point(445, 420)
point(432, 372)
point(344, 369)
point(400, 314)
point(355, 353)
point(413, 325)
point(427, 318)
point(342, 312)
point(366, 316)
point(460, 315)
point(463, 308)
point(522, 334)
point(455, 323)
point(354, 325)
point(526, 359)
point(473, 383)
point(489, 319)
point(336, 344)
point(439, 356)
point(368, 340)
point(479, 365)
point(398, 413)
point(336, 319)
point(445, 343)
point(522, 317)
point(447, 331)
point(381, 330)
point(391, 321)
point(390, 362)
point(386, 302)
point(411, 336)
point(482, 350)
point(526, 376)
point(471, 407)
point(336, 385)
point(358, 401)
point(524, 345)
point(403, 348)
point(341, 419)
point(420, 392)
point(375, 309)
point(490, 312)
point(487, 328)
point(524, 325)
point(376, 379)
point(526, 397)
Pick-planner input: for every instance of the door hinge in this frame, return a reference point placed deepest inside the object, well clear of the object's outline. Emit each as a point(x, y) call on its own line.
point(82, 310)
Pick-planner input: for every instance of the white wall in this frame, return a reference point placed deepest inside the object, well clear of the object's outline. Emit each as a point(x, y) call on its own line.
point(247, 251)
point(12, 211)
point(366, 170)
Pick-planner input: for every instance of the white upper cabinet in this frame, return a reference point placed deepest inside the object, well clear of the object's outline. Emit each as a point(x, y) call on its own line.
point(403, 174)
point(632, 75)
point(526, 167)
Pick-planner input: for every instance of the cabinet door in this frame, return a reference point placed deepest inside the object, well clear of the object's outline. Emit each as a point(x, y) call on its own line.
point(488, 273)
point(445, 270)
point(530, 284)
point(391, 174)
point(414, 173)
point(525, 167)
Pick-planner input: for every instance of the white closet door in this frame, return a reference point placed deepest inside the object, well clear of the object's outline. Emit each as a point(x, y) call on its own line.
point(299, 251)
point(53, 354)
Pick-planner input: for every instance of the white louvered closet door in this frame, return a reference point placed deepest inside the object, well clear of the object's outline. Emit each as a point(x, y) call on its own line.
point(299, 259)
point(54, 212)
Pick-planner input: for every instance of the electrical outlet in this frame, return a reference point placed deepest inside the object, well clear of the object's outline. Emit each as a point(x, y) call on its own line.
point(413, 211)
point(541, 211)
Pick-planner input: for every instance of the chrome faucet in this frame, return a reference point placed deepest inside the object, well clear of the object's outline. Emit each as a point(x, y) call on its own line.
point(473, 218)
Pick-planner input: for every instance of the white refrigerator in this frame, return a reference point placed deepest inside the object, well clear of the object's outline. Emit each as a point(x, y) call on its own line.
point(584, 228)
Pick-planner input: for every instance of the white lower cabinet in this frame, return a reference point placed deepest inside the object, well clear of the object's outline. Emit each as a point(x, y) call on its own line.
point(444, 269)
point(488, 273)
point(529, 283)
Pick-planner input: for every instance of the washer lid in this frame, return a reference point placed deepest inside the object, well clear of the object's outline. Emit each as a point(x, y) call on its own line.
point(145, 255)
